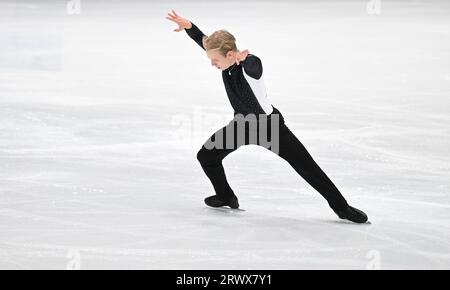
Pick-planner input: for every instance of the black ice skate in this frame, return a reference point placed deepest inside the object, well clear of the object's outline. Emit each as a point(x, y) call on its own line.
point(214, 201)
point(352, 214)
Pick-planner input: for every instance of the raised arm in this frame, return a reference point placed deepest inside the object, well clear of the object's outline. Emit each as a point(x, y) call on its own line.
point(196, 34)
point(191, 29)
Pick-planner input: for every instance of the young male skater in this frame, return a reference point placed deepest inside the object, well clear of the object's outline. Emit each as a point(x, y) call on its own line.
point(255, 118)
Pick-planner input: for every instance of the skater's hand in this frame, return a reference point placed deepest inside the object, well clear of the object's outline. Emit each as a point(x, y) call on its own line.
point(241, 56)
point(182, 22)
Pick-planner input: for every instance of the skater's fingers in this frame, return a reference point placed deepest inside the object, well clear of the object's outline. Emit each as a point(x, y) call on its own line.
point(171, 19)
point(173, 16)
point(243, 55)
point(174, 13)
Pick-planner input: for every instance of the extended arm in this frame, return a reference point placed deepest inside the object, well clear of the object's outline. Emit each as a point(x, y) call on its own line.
point(196, 34)
point(191, 29)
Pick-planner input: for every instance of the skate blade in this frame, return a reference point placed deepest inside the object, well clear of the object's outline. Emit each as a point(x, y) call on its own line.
point(346, 221)
point(226, 209)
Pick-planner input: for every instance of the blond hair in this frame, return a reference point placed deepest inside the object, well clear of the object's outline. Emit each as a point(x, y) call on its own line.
point(221, 40)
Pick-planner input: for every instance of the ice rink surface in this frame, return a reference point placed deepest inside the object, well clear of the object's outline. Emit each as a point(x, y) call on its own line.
point(103, 109)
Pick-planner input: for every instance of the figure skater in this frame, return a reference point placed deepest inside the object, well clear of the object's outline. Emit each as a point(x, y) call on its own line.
point(255, 117)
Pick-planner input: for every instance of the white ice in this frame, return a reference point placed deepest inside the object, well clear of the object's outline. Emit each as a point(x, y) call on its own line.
point(102, 113)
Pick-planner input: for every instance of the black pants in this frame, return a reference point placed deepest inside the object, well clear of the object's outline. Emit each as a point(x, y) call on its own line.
point(290, 149)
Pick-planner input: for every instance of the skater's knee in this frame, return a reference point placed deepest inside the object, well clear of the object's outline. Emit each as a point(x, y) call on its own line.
point(202, 155)
point(206, 157)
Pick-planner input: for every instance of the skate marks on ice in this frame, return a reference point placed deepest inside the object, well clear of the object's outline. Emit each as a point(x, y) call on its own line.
point(85, 168)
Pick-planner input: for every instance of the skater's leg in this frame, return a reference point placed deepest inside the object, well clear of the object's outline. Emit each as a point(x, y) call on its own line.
point(293, 151)
point(211, 162)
